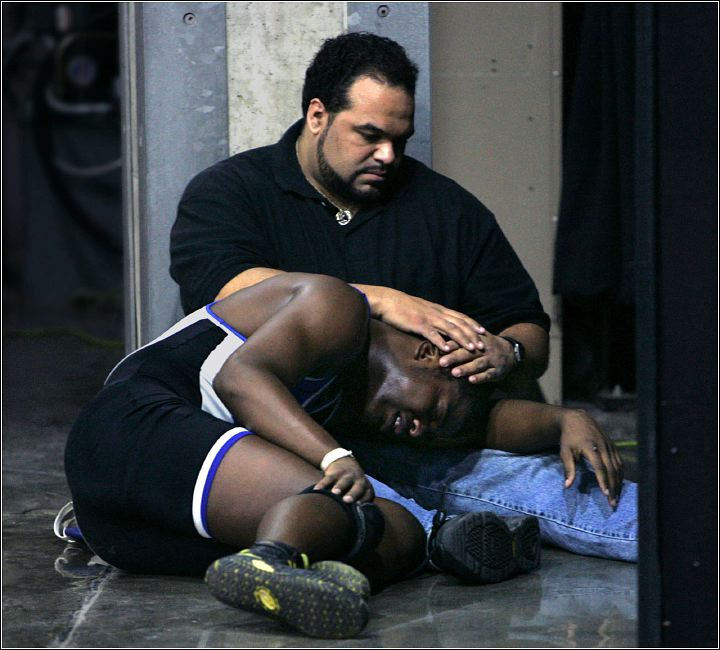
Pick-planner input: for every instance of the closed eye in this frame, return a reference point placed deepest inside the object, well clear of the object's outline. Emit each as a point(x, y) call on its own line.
point(371, 134)
point(371, 138)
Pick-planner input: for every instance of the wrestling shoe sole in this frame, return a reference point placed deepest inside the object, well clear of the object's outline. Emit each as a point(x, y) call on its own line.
point(345, 575)
point(303, 599)
point(480, 547)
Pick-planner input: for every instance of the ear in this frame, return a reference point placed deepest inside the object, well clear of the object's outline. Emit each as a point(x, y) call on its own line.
point(316, 117)
point(426, 350)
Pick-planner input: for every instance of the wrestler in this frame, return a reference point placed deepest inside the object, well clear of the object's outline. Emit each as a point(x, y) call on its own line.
point(216, 437)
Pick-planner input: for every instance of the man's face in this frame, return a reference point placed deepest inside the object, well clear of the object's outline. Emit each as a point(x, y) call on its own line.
point(421, 405)
point(359, 151)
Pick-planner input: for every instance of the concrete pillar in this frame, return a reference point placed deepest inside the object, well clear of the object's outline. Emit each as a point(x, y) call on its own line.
point(270, 44)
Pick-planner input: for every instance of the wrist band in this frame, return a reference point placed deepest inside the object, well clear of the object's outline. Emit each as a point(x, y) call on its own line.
point(332, 456)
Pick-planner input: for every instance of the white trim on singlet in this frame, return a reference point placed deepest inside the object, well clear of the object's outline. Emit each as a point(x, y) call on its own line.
point(211, 403)
point(205, 477)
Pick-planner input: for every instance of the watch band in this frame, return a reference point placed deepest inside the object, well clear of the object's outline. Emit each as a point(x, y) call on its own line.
point(518, 349)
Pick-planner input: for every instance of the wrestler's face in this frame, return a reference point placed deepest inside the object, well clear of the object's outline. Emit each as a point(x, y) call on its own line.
point(418, 401)
point(360, 148)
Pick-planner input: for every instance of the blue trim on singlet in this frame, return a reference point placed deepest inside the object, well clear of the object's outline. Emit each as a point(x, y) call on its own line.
point(367, 302)
point(213, 470)
point(219, 319)
point(214, 316)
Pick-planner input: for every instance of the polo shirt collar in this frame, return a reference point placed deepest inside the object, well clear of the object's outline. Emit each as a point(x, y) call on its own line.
point(285, 165)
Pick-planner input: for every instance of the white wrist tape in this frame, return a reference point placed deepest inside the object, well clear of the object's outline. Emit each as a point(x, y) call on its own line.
point(332, 456)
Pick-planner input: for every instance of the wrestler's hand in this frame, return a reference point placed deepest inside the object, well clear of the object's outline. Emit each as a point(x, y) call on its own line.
point(345, 477)
point(490, 362)
point(580, 436)
point(439, 325)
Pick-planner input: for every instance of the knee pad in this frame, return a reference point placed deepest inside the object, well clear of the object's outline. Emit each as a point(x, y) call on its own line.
point(366, 520)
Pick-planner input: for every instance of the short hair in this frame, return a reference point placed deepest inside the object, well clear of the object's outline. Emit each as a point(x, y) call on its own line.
point(345, 58)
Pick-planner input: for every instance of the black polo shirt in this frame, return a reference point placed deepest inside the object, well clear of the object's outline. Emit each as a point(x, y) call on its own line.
point(429, 238)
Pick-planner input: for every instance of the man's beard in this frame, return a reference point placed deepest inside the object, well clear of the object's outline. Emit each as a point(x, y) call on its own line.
point(344, 189)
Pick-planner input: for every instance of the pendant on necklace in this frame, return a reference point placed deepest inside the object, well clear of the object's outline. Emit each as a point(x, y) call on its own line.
point(343, 217)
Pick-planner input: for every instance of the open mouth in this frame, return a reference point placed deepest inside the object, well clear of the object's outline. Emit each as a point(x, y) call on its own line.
point(406, 424)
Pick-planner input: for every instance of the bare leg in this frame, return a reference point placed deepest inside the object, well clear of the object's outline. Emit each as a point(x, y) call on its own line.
point(255, 496)
point(303, 521)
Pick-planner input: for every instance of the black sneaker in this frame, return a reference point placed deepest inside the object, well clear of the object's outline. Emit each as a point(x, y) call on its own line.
point(480, 547)
point(269, 580)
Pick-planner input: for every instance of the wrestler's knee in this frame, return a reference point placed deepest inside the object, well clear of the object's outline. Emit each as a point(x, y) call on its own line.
point(402, 547)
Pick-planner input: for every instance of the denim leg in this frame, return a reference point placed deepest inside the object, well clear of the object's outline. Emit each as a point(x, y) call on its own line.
point(578, 519)
point(384, 491)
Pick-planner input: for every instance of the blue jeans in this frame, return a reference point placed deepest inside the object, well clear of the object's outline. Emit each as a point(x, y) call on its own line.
point(578, 519)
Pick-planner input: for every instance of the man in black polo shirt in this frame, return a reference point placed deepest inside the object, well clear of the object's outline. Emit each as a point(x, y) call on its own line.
point(337, 196)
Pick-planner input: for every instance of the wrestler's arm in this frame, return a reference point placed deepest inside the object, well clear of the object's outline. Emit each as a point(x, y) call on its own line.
point(316, 330)
point(401, 310)
point(521, 426)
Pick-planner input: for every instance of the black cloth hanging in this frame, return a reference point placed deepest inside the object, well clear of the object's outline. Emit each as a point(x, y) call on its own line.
point(595, 236)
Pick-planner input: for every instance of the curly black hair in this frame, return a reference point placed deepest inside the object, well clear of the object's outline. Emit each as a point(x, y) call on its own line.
point(345, 58)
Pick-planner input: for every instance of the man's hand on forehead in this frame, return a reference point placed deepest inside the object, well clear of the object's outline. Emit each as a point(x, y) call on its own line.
point(490, 362)
point(439, 325)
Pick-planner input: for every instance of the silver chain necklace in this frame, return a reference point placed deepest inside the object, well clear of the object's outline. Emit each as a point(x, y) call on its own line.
point(343, 217)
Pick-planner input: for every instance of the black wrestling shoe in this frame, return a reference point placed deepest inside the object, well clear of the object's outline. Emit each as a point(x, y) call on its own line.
point(274, 580)
point(480, 547)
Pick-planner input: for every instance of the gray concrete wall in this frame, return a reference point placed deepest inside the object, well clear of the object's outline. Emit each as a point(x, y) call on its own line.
point(496, 126)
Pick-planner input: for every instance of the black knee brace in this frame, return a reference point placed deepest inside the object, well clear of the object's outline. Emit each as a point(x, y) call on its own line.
point(366, 519)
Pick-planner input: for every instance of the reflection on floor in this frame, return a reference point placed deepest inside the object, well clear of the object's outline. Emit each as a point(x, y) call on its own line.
point(57, 595)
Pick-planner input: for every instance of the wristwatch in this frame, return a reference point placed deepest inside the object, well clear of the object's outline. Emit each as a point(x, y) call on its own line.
point(518, 349)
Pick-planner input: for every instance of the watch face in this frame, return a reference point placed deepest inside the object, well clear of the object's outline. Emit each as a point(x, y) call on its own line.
point(518, 349)
point(519, 352)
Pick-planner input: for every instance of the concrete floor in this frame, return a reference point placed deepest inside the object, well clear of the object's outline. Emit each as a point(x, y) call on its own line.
point(57, 595)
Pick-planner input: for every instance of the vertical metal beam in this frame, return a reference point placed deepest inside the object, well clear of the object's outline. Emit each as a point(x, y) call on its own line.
point(646, 334)
point(129, 27)
point(408, 23)
point(175, 123)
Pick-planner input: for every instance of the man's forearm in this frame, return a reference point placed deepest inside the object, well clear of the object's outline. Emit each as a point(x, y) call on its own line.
point(246, 279)
point(523, 427)
point(536, 343)
point(376, 296)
